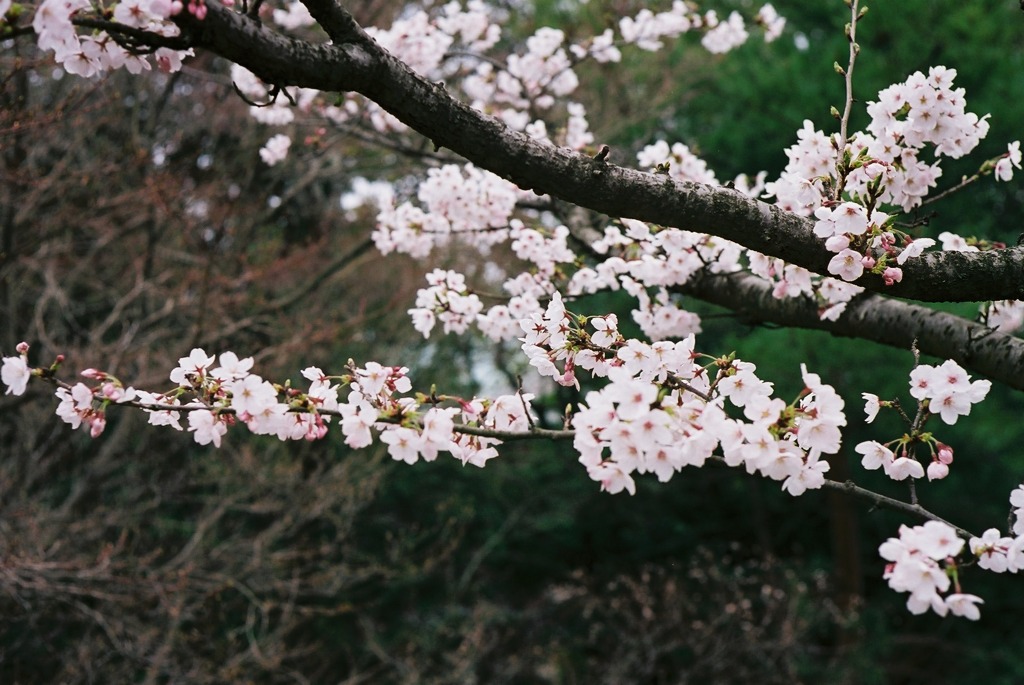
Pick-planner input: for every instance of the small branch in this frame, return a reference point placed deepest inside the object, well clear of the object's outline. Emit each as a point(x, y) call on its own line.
point(851, 488)
point(512, 436)
point(966, 181)
point(854, 49)
point(522, 400)
point(134, 39)
point(848, 487)
point(498, 64)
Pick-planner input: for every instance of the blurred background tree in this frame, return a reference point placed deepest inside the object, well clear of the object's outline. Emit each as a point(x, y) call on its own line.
point(134, 231)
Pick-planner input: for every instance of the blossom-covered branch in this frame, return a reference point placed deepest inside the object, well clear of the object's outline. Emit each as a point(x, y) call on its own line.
point(354, 62)
point(833, 251)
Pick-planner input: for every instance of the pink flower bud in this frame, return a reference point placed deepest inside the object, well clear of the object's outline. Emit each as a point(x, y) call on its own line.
point(893, 274)
point(22, 348)
point(945, 453)
point(868, 262)
point(94, 374)
point(96, 425)
point(112, 392)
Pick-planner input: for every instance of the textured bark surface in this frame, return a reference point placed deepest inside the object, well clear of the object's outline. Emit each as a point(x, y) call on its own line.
point(878, 319)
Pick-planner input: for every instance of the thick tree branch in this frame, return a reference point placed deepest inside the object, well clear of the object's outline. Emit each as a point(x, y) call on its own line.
point(978, 348)
point(355, 64)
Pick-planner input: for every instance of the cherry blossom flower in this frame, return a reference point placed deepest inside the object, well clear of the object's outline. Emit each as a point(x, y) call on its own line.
point(914, 249)
point(964, 605)
point(902, 468)
point(160, 417)
point(850, 218)
point(1005, 166)
point(192, 369)
point(937, 470)
point(991, 549)
point(357, 419)
point(437, 433)
point(956, 243)
point(771, 21)
point(232, 367)
point(276, 149)
point(403, 443)
point(847, 265)
point(613, 478)
point(15, 375)
point(206, 427)
point(871, 406)
point(876, 455)
point(743, 385)
point(810, 477)
point(251, 395)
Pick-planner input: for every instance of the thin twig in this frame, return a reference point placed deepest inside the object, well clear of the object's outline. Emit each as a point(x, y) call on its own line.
point(850, 488)
point(964, 182)
point(854, 49)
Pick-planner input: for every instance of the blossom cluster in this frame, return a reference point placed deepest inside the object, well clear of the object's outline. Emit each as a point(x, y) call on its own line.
point(276, 149)
point(467, 201)
point(882, 166)
point(923, 111)
point(945, 391)
point(662, 411)
point(451, 42)
point(788, 280)
point(637, 424)
point(447, 300)
point(92, 53)
point(1001, 553)
point(215, 397)
point(921, 561)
